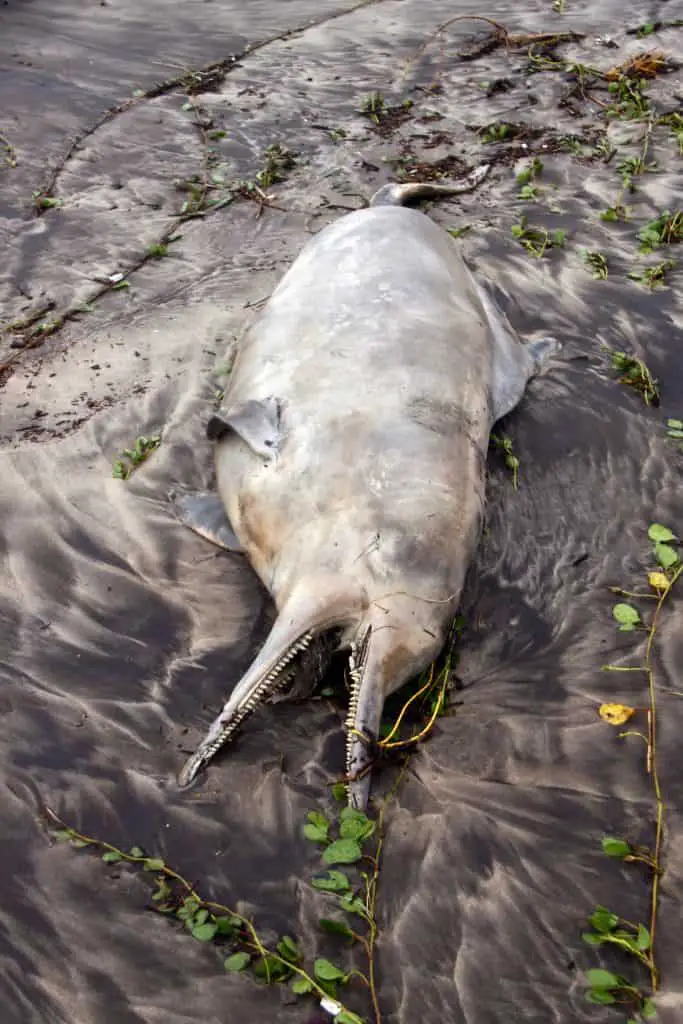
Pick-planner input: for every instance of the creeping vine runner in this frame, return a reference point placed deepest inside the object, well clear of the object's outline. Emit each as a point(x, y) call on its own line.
point(609, 929)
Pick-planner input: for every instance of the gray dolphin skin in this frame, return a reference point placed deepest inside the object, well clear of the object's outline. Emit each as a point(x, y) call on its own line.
point(350, 457)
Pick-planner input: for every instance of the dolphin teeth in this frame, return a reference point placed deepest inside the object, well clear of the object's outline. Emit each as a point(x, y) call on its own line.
point(276, 678)
point(281, 674)
point(357, 664)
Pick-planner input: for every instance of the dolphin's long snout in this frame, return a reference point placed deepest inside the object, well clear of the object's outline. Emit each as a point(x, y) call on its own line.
point(188, 773)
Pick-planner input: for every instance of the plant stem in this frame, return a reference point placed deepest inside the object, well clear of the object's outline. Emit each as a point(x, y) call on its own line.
point(387, 743)
point(371, 885)
point(654, 771)
point(254, 944)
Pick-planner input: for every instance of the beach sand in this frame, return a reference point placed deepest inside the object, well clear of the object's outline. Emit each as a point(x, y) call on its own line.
point(121, 632)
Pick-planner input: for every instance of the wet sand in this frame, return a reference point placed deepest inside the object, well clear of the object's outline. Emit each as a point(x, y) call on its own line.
point(121, 632)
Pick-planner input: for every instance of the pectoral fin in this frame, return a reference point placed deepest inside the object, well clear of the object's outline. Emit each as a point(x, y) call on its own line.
point(256, 422)
point(203, 512)
point(542, 350)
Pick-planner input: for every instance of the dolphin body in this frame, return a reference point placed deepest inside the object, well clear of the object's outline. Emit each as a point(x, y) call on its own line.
point(350, 454)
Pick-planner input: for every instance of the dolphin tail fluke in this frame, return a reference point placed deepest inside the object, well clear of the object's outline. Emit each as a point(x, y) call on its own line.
point(401, 195)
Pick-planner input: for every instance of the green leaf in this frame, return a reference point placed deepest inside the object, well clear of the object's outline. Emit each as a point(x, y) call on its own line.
point(657, 532)
point(624, 939)
point(236, 962)
point(346, 1017)
point(339, 791)
point(202, 915)
point(648, 1009)
point(271, 969)
point(315, 834)
point(111, 857)
point(317, 829)
point(348, 814)
point(674, 424)
point(335, 927)
point(227, 925)
point(300, 986)
point(355, 825)
point(154, 864)
point(204, 932)
point(356, 830)
point(603, 920)
point(326, 971)
point(675, 432)
point(592, 938)
point(329, 988)
point(333, 881)
point(343, 851)
point(626, 615)
point(666, 555)
point(353, 905)
point(599, 978)
point(643, 938)
point(135, 851)
point(288, 949)
point(79, 844)
point(601, 997)
point(615, 847)
point(188, 909)
point(62, 835)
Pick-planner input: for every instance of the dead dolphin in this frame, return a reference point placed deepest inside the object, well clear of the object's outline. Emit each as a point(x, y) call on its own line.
point(350, 456)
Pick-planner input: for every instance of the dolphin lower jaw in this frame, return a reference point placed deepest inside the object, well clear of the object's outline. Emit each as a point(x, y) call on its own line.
point(358, 658)
point(369, 687)
point(391, 650)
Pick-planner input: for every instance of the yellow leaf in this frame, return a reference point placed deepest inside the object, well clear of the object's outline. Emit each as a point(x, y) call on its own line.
point(658, 581)
point(615, 714)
